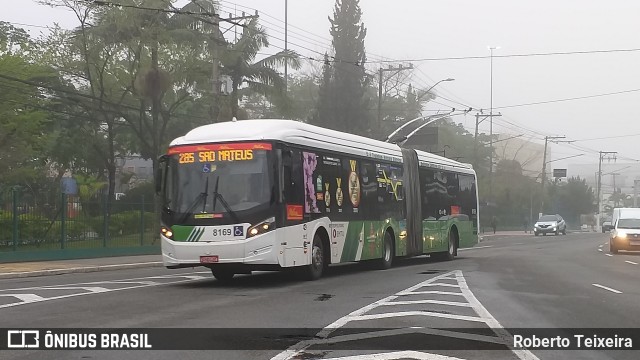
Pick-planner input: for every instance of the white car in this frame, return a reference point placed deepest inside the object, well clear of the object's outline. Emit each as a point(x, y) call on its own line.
point(625, 235)
point(550, 224)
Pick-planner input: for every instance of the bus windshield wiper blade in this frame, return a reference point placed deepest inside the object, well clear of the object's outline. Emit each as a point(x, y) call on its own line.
point(228, 208)
point(224, 203)
point(202, 196)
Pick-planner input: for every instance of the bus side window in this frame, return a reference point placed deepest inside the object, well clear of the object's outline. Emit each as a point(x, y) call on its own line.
point(293, 191)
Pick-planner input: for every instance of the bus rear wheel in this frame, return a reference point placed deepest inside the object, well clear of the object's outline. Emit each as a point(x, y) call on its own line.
point(314, 270)
point(387, 252)
point(452, 248)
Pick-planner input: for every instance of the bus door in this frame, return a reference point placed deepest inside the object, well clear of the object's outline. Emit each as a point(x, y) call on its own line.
point(294, 238)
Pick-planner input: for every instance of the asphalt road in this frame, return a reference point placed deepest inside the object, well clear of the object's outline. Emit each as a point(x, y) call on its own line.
point(505, 282)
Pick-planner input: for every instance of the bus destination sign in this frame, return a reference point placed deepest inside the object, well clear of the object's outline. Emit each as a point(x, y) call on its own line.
point(217, 152)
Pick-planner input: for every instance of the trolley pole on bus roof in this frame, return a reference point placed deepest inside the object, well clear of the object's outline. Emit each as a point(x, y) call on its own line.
point(431, 119)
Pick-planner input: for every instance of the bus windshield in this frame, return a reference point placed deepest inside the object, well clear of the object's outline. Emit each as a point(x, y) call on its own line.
point(216, 181)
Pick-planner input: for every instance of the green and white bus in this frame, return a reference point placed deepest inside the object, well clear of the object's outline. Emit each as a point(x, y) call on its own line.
point(253, 195)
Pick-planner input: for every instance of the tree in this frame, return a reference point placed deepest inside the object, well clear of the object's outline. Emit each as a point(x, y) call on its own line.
point(572, 199)
point(261, 76)
point(25, 129)
point(343, 104)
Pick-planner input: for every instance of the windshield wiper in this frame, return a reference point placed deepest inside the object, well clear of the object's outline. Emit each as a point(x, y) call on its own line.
point(224, 203)
point(202, 196)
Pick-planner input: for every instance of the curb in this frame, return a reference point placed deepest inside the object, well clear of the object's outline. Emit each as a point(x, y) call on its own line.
point(86, 269)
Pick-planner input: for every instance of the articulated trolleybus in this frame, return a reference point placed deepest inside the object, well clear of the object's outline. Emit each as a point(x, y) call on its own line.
point(253, 195)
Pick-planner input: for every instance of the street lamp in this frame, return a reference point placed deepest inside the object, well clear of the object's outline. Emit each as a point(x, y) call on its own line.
point(434, 85)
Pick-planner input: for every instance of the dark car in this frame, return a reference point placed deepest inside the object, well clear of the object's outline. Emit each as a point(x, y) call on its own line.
point(550, 224)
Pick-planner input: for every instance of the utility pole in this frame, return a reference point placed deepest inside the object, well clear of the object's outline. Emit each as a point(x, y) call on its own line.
point(614, 187)
point(475, 152)
point(380, 81)
point(610, 155)
point(544, 167)
point(216, 41)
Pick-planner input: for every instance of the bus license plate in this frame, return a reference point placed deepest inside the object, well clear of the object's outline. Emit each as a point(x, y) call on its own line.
point(634, 242)
point(209, 259)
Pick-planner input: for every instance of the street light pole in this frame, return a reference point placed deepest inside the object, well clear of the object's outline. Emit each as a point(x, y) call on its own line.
point(286, 43)
point(491, 48)
point(434, 85)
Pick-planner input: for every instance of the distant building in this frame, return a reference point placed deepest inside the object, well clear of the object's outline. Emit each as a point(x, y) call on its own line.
point(529, 154)
point(615, 175)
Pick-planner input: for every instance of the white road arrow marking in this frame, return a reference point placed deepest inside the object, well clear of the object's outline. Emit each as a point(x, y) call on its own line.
point(25, 298)
point(503, 337)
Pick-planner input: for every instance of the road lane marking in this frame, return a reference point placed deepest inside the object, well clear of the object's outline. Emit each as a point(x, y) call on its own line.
point(608, 254)
point(631, 262)
point(89, 290)
point(416, 313)
point(476, 247)
point(434, 292)
point(170, 276)
point(490, 320)
point(25, 297)
point(600, 250)
point(443, 285)
point(398, 355)
point(607, 288)
point(601, 245)
point(299, 350)
point(437, 302)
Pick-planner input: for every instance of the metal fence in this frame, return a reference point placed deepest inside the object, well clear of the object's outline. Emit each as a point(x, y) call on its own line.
point(32, 224)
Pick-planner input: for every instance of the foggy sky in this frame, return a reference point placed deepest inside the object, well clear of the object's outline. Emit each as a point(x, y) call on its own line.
point(417, 29)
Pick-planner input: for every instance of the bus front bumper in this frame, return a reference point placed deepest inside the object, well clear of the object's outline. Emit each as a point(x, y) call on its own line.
point(258, 250)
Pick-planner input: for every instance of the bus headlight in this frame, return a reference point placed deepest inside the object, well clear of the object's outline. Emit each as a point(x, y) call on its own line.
point(166, 232)
point(621, 235)
point(262, 227)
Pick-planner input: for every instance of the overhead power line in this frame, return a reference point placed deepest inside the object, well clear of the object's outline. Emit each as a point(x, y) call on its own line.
point(569, 99)
point(516, 55)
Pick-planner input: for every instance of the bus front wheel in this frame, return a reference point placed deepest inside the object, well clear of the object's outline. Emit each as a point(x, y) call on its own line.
point(314, 270)
point(222, 275)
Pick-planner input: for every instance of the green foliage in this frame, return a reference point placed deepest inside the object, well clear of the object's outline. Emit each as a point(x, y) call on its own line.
point(343, 102)
point(571, 199)
point(123, 223)
point(260, 76)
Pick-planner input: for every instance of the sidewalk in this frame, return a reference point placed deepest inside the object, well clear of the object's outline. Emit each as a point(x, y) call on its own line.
point(57, 267)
